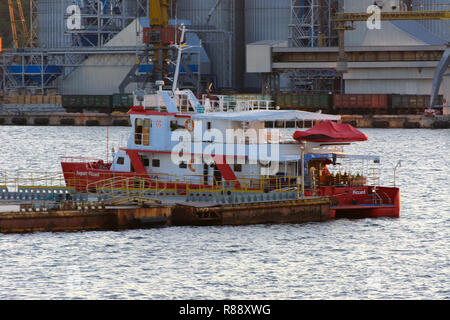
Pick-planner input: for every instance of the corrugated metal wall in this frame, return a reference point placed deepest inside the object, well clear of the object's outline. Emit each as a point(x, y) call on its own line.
point(247, 21)
point(216, 36)
point(51, 23)
point(196, 11)
point(267, 20)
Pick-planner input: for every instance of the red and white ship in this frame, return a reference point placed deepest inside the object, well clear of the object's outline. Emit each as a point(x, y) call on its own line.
point(238, 166)
point(181, 144)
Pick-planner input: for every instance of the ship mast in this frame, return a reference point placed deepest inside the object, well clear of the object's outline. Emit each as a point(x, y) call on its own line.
point(177, 68)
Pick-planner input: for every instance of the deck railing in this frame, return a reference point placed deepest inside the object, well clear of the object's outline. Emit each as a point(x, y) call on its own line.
point(35, 179)
point(154, 185)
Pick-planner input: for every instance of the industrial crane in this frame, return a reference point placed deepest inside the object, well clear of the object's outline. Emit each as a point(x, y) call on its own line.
point(25, 33)
point(158, 39)
point(159, 35)
point(345, 21)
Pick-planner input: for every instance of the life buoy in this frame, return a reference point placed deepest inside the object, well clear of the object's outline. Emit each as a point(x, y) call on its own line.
point(189, 125)
point(190, 165)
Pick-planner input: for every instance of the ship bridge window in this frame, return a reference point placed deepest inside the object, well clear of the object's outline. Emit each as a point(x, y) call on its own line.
point(138, 131)
point(279, 124)
point(155, 163)
point(269, 124)
point(244, 125)
point(142, 131)
point(173, 125)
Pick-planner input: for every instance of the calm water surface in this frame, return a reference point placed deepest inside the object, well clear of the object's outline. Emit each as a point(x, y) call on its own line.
point(406, 258)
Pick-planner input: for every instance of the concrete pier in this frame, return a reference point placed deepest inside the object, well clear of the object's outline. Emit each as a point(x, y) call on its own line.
point(101, 119)
point(398, 121)
point(65, 119)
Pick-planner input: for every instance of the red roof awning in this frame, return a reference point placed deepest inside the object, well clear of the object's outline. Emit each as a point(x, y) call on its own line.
point(328, 131)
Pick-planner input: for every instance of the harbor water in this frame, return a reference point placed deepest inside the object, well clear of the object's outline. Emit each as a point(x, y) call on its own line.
point(405, 258)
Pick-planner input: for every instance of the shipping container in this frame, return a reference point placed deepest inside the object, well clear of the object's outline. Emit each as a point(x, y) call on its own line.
point(15, 99)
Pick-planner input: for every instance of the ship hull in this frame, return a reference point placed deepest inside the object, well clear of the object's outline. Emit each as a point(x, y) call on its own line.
point(364, 201)
point(86, 178)
point(350, 202)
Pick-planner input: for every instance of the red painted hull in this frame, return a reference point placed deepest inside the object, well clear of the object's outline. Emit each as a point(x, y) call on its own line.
point(363, 202)
point(351, 202)
point(86, 177)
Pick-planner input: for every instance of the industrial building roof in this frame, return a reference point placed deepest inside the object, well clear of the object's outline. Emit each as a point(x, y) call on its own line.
point(419, 32)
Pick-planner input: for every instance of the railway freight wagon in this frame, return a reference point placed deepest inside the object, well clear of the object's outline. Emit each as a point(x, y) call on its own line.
point(361, 103)
point(412, 104)
point(306, 102)
point(364, 104)
point(97, 103)
point(122, 102)
point(87, 103)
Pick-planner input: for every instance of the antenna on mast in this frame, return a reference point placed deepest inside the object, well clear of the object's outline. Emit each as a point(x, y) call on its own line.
point(180, 49)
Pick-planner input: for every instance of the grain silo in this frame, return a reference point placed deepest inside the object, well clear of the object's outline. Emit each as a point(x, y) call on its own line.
point(267, 20)
point(219, 24)
point(52, 25)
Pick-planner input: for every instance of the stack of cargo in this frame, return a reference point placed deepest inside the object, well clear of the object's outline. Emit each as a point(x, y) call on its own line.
point(20, 103)
point(32, 99)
